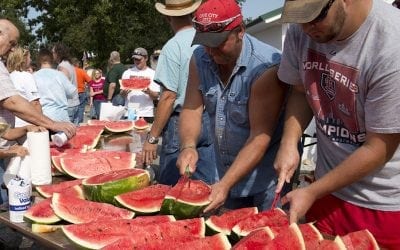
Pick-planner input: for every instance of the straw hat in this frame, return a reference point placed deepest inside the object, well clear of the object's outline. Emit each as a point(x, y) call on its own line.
point(178, 7)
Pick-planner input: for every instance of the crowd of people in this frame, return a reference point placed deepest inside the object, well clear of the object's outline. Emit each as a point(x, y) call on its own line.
point(232, 109)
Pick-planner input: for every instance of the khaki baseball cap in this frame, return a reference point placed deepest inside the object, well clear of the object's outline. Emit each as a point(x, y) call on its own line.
point(302, 11)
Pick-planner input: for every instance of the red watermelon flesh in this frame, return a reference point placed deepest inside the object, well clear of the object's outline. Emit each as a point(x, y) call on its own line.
point(255, 240)
point(48, 190)
point(42, 213)
point(291, 239)
point(92, 236)
point(311, 235)
point(360, 240)
point(147, 200)
point(75, 210)
point(225, 222)
point(141, 124)
point(86, 137)
point(273, 218)
point(119, 126)
point(135, 83)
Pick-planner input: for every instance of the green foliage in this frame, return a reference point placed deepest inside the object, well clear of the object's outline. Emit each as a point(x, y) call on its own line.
point(101, 26)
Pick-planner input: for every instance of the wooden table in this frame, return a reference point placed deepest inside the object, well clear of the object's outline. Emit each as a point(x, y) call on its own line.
point(57, 240)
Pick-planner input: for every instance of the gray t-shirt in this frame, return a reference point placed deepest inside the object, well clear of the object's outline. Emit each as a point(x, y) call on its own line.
point(353, 86)
point(74, 100)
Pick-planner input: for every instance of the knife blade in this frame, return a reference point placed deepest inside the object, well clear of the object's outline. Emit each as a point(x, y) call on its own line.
point(188, 174)
point(276, 199)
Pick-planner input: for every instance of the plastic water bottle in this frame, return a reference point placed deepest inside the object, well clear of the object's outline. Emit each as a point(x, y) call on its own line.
point(19, 193)
point(132, 116)
point(59, 139)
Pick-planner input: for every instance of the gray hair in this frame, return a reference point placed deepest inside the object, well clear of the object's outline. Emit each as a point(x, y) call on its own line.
point(114, 57)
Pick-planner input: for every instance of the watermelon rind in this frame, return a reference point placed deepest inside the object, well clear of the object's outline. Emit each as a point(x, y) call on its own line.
point(105, 192)
point(41, 228)
point(115, 126)
point(181, 209)
point(213, 226)
point(340, 243)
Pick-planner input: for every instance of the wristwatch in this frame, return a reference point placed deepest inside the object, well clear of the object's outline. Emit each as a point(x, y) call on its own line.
point(151, 139)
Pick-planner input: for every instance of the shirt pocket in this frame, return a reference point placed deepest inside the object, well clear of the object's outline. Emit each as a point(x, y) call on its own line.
point(238, 111)
point(210, 100)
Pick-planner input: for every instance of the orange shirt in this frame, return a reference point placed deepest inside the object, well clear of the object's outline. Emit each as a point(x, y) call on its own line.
point(81, 78)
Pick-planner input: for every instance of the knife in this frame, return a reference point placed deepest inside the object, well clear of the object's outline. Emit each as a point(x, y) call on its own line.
point(188, 174)
point(276, 199)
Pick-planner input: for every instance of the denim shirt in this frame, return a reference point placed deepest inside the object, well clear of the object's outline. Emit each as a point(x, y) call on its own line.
point(228, 110)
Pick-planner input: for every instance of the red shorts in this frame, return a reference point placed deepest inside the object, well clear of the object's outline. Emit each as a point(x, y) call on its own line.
point(334, 216)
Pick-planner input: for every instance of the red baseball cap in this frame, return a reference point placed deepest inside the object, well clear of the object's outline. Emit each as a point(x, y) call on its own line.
point(213, 21)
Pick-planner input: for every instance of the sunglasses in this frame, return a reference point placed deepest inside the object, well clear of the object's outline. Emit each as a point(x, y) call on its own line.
point(214, 26)
point(324, 12)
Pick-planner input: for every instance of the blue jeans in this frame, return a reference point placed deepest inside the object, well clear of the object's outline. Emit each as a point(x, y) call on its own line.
point(118, 100)
point(96, 106)
point(206, 169)
point(73, 114)
point(81, 107)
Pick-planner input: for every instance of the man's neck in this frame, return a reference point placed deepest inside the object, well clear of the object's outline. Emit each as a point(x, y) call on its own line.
point(46, 66)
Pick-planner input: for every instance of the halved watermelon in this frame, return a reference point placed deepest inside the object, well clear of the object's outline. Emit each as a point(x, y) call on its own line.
point(273, 218)
point(77, 211)
point(225, 222)
point(135, 83)
point(104, 187)
point(255, 240)
point(119, 126)
point(97, 162)
point(42, 213)
point(47, 190)
point(186, 199)
point(97, 236)
point(141, 124)
point(86, 137)
point(362, 239)
point(144, 201)
point(288, 239)
point(311, 235)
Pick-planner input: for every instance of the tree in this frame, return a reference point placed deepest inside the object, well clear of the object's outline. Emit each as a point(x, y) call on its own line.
point(101, 26)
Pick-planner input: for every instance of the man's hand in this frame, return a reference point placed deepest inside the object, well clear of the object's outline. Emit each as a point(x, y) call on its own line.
point(286, 162)
point(300, 201)
point(68, 128)
point(124, 92)
point(219, 193)
point(187, 157)
point(149, 152)
point(18, 150)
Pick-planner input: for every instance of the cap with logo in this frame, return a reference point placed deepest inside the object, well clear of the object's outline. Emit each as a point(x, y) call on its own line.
point(177, 7)
point(214, 20)
point(139, 53)
point(302, 11)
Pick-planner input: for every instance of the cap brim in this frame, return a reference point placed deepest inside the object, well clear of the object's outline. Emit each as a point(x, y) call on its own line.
point(137, 57)
point(210, 39)
point(177, 12)
point(302, 11)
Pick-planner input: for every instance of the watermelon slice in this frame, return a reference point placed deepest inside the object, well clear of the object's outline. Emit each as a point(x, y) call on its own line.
point(216, 242)
point(42, 213)
point(225, 222)
point(186, 199)
point(311, 235)
point(273, 218)
point(145, 201)
point(362, 239)
point(141, 124)
point(86, 137)
point(97, 162)
point(255, 240)
point(288, 239)
point(100, 234)
point(135, 83)
point(336, 244)
point(104, 187)
point(119, 139)
point(75, 210)
point(47, 190)
point(119, 126)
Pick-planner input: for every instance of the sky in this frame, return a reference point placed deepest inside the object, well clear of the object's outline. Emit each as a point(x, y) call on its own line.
point(256, 8)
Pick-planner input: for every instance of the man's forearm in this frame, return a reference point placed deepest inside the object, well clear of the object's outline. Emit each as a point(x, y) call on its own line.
point(111, 89)
point(163, 113)
point(189, 127)
point(24, 110)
